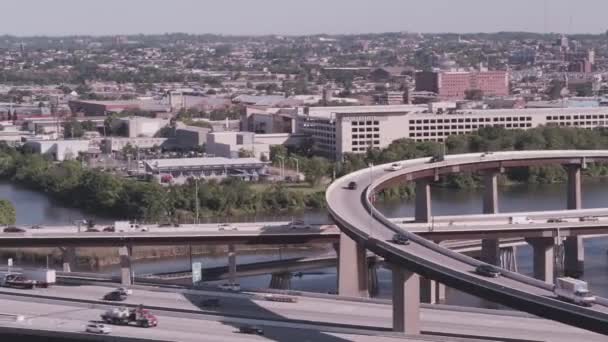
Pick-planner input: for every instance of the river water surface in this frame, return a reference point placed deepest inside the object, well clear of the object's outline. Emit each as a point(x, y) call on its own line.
point(36, 208)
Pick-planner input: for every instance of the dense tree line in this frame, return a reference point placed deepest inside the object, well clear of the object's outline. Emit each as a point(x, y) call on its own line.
point(486, 140)
point(106, 194)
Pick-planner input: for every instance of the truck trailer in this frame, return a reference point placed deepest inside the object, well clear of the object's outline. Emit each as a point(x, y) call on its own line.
point(573, 290)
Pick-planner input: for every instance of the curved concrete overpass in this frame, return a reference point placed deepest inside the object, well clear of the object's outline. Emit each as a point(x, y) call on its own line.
point(368, 229)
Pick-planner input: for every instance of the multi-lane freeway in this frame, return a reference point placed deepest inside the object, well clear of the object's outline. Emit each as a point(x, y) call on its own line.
point(182, 318)
point(354, 213)
point(208, 234)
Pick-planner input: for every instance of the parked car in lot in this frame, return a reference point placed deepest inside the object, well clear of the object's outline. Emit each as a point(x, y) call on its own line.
point(400, 239)
point(13, 229)
point(352, 186)
point(230, 287)
point(251, 329)
point(97, 328)
point(589, 219)
point(115, 296)
point(488, 271)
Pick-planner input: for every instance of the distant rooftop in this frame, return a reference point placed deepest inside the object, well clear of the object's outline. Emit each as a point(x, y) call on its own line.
point(193, 163)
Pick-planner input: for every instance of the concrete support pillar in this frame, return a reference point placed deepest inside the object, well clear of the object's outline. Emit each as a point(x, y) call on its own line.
point(490, 192)
point(544, 258)
point(232, 264)
point(574, 250)
point(406, 301)
point(440, 293)
point(281, 281)
point(352, 269)
point(374, 287)
point(490, 251)
point(428, 291)
point(68, 256)
point(126, 271)
point(574, 187)
point(574, 256)
point(423, 200)
point(508, 258)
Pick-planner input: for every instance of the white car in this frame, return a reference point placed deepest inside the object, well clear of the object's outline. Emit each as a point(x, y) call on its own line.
point(298, 224)
point(230, 287)
point(97, 328)
point(125, 290)
point(226, 226)
point(395, 167)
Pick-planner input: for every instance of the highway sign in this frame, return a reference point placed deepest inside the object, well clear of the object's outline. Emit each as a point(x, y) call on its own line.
point(197, 272)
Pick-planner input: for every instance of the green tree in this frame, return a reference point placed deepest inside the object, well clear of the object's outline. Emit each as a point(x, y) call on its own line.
point(315, 169)
point(73, 129)
point(473, 94)
point(8, 215)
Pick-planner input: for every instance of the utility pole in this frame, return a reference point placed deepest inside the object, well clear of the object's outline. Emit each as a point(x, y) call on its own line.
point(297, 167)
point(196, 196)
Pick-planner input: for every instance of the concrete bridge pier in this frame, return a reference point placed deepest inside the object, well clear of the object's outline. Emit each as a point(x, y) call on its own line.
point(574, 249)
point(423, 200)
point(406, 301)
point(431, 292)
point(508, 258)
point(68, 258)
point(353, 280)
point(574, 256)
point(372, 272)
point(490, 248)
point(126, 271)
point(232, 264)
point(490, 251)
point(281, 281)
point(544, 258)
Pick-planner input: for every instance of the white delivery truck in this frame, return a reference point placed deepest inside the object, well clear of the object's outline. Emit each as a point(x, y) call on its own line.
point(43, 277)
point(573, 290)
point(520, 220)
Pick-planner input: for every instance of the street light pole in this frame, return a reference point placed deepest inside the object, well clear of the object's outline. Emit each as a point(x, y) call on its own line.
point(371, 213)
point(282, 166)
point(196, 196)
point(297, 167)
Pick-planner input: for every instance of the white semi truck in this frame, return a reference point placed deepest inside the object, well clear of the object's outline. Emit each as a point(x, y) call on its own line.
point(42, 277)
point(573, 290)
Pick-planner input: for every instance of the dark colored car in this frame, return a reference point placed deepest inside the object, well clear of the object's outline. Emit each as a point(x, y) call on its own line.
point(556, 220)
point(92, 230)
point(352, 186)
point(165, 225)
point(400, 239)
point(109, 229)
point(36, 226)
point(210, 303)
point(251, 329)
point(115, 296)
point(436, 159)
point(488, 271)
point(13, 229)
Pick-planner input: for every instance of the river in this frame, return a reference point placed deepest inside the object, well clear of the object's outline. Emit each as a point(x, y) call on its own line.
point(36, 208)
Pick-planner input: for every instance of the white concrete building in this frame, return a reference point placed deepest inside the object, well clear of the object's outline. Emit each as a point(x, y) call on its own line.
point(179, 170)
point(339, 130)
point(143, 127)
point(60, 150)
point(115, 144)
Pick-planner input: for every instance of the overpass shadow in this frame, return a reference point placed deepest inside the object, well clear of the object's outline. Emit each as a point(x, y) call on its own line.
point(246, 309)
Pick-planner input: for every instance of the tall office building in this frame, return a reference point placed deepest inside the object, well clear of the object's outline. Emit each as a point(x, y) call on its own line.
point(452, 85)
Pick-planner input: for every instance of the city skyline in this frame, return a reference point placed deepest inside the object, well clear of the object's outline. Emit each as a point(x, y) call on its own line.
point(68, 17)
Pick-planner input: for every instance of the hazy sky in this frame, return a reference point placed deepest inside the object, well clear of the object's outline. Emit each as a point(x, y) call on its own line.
point(61, 17)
